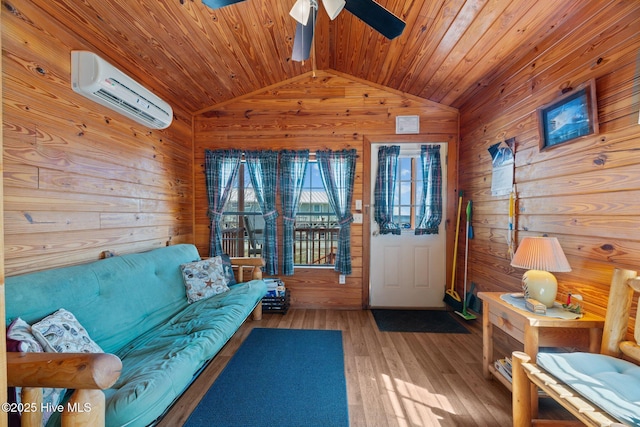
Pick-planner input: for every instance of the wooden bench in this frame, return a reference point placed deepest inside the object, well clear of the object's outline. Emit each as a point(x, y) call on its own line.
point(529, 376)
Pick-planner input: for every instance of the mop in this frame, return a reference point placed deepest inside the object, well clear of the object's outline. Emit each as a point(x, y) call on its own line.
point(465, 314)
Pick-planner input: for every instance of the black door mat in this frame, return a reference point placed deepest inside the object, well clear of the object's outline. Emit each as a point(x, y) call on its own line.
point(431, 321)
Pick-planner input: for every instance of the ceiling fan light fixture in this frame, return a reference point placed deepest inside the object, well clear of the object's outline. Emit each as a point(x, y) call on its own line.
point(301, 11)
point(333, 7)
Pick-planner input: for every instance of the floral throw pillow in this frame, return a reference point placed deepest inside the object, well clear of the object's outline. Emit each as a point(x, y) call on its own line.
point(21, 334)
point(20, 338)
point(204, 279)
point(61, 332)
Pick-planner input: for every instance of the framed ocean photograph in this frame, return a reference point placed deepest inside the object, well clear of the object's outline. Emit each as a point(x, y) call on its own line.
point(573, 115)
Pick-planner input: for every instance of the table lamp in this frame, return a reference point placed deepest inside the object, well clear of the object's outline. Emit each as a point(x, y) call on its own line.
point(541, 255)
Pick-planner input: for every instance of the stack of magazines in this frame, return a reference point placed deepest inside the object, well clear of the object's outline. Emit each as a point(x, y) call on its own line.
point(504, 367)
point(275, 287)
point(277, 299)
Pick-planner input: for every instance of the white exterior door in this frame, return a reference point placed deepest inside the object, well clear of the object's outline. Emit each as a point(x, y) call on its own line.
point(407, 271)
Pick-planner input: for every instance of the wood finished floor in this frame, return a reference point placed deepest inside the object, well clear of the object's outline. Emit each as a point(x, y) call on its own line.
point(393, 379)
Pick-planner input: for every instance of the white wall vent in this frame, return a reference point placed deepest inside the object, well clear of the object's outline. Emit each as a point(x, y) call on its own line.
point(96, 79)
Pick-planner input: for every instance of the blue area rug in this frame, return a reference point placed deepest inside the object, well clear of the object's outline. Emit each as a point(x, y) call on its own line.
point(430, 321)
point(279, 378)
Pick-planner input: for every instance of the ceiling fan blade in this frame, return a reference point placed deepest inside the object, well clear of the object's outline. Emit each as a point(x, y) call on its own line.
point(377, 17)
point(304, 38)
point(333, 7)
point(217, 4)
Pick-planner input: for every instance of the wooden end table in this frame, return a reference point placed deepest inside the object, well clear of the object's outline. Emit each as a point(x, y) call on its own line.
point(534, 331)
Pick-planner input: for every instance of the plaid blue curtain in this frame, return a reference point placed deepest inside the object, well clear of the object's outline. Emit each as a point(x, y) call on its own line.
point(338, 170)
point(221, 167)
point(263, 170)
point(293, 166)
point(385, 188)
point(431, 206)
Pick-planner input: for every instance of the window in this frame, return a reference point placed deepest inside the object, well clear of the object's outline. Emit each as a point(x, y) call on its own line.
point(408, 188)
point(316, 232)
point(242, 221)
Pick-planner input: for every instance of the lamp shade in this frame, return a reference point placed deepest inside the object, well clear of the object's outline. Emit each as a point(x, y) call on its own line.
point(541, 256)
point(541, 253)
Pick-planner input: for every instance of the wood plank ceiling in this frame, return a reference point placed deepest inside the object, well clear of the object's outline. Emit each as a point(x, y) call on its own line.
point(197, 57)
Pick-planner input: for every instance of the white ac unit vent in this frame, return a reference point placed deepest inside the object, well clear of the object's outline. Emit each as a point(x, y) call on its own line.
point(96, 79)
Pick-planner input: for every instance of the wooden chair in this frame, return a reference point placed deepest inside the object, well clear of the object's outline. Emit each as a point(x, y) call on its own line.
point(528, 376)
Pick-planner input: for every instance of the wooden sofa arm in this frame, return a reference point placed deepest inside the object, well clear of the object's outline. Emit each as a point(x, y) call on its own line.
point(521, 390)
point(527, 374)
point(87, 373)
point(63, 370)
point(253, 264)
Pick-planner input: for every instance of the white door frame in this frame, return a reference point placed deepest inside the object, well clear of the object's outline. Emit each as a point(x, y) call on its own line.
point(452, 172)
point(414, 267)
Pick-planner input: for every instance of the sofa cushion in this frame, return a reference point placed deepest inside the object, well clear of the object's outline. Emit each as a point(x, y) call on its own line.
point(135, 307)
point(612, 384)
point(111, 298)
point(61, 332)
point(204, 279)
point(160, 364)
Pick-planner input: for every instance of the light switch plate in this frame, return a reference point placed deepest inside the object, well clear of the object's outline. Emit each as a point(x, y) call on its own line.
point(357, 218)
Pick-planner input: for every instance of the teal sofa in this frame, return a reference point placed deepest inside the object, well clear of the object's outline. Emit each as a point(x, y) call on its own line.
point(134, 306)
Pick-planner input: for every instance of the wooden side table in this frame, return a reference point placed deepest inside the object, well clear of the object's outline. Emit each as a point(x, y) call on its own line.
point(534, 331)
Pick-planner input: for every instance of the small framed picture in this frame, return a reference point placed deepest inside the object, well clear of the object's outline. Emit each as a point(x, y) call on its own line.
point(573, 115)
point(407, 124)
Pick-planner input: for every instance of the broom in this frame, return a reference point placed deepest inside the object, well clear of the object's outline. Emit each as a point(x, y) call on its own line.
point(464, 313)
point(451, 297)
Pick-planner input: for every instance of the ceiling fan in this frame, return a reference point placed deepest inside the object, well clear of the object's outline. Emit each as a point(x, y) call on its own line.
point(306, 11)
point(368, 11)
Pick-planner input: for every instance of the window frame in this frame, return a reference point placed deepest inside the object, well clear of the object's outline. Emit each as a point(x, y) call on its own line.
point(328, 252)
point(242, 241)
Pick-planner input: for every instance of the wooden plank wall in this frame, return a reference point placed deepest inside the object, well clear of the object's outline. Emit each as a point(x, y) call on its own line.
point(328, 111)
point(3, 326)
point(79, 178)
point(587, 192)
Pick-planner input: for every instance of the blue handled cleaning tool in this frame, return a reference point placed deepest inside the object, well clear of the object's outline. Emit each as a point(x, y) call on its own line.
point(465, 314)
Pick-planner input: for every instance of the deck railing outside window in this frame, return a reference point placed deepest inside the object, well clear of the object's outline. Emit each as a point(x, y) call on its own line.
point(315, 238)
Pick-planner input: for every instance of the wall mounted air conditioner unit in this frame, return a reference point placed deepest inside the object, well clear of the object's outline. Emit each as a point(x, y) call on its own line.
point(96, 79)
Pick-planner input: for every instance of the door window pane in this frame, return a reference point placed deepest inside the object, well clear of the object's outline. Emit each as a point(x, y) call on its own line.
point(408, 187)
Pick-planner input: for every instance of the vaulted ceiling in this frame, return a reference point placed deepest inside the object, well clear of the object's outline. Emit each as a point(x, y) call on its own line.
point(197, 57)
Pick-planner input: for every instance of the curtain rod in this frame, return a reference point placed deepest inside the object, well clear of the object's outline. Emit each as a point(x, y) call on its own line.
point(311, 153)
